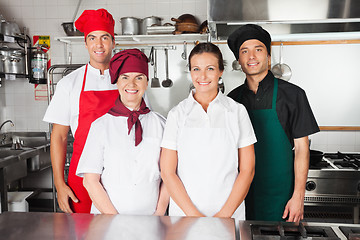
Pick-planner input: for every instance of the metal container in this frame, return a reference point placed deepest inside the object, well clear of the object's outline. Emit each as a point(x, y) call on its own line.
point(10, 29)
point(13, 60)
point(149, 21)
point(70, 29)
point(130, 25)
point(152, 30)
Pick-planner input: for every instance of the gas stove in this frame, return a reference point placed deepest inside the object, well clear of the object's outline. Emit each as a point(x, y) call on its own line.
point(256, 230)
point(338, 161)
point(335, 181)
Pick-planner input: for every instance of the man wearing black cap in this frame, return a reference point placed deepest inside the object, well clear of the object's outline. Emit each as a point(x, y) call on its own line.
point(282, 120)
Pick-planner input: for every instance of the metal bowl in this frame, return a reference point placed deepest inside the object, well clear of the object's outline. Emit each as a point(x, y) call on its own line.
point(70, 29)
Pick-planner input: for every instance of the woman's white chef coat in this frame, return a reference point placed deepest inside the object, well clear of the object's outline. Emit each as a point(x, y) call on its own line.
point(129, 174)
point(64, 106)
point(207, 145)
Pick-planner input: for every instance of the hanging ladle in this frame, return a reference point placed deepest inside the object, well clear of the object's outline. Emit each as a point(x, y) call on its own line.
point(281, 70)
point(167, 82)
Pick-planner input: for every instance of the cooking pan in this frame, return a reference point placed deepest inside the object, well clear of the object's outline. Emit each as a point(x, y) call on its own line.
point(69, 27)
point(315, 157)
point(186, 23)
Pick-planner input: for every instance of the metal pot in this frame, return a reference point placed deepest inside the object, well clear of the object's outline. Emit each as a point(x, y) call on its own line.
point(10, 29)
point(13, 60)
point(130, 25)
point(315, 157)
point(148, 22)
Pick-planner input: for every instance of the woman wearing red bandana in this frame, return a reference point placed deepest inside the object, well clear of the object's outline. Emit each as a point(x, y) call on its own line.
point(120, 160)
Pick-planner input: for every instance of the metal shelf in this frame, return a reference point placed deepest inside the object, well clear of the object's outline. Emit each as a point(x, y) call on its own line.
point(144, 39)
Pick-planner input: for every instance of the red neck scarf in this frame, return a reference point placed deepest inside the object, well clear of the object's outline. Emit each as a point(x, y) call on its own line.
point(133, 117)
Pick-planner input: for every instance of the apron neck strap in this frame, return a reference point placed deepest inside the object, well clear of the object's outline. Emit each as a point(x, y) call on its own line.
point(83, 85)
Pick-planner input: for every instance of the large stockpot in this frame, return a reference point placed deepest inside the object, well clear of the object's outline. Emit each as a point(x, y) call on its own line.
point(10, 29)
point(130, 25)
point(13, 60)
point(148, 22)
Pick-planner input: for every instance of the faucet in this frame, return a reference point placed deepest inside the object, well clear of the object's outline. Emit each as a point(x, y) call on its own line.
point(7, 121)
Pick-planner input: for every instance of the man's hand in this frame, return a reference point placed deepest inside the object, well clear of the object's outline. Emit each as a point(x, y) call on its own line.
point(294, 209)
point(63, 195)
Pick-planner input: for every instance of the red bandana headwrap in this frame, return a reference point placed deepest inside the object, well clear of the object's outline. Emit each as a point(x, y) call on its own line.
point(95, 20)
point(133, 117)
point(130, 60)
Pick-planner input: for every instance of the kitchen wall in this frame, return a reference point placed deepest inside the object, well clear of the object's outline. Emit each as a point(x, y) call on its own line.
point(44, 17)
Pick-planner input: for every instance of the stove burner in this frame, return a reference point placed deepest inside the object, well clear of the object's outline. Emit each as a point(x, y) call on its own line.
point(291, 232)
point(352, 233)
point(345, 160)
point(320, 165)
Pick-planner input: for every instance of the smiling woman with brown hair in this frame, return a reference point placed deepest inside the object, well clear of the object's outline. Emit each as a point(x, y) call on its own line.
point(207, 160)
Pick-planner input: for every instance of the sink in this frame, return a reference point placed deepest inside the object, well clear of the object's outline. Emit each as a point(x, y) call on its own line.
point(34, 148)
point(6, 152)
point(14, 166)
point(33, 156)
point(29, 139)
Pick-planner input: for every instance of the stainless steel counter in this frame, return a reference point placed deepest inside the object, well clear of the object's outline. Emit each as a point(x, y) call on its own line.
point(21, 153)
point(16, 225)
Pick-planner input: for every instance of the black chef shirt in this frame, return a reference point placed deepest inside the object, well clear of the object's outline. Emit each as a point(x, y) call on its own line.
point(292, 106)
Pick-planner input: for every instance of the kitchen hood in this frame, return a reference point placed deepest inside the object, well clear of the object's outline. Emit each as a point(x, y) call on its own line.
point(284, 17)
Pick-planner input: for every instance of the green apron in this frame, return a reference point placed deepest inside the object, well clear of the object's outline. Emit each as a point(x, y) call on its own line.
point(273, 182)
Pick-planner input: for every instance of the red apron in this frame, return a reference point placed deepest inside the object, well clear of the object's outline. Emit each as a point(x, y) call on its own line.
point(92, 105)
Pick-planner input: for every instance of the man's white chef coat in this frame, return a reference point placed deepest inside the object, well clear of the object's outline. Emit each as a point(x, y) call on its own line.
point(129, 174)
point(64, 106)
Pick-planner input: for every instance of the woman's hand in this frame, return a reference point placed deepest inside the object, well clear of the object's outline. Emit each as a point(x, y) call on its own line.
point(221, 214)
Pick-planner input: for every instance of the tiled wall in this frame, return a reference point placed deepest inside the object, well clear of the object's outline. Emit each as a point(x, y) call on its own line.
point(44, 17)
point(333, 141)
